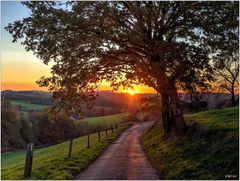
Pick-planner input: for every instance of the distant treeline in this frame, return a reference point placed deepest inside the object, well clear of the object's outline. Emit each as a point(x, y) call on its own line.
point(34, 97)
point(18, 129)
point(106, 103)
point(105, 99)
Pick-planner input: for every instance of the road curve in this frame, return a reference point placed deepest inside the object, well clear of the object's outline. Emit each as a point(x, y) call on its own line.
point(124, 159)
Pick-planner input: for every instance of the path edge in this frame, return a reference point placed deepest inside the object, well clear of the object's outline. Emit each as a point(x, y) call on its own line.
point(74, 177)
point(148, 158)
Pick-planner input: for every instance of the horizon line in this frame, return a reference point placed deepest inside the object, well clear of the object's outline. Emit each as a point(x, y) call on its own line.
point(107, 90)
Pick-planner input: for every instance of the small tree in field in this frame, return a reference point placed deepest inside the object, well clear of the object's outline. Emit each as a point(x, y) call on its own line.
point(226, 61)
point(227, 68)
point(158, 44)
point(228, 80)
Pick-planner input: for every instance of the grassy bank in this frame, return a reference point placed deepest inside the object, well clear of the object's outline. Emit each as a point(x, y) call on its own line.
point(51, 163)
point(208, 151)
point(104, 120)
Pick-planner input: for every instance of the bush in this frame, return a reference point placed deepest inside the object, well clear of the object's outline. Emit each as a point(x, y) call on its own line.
point(224, 104)
point(26, 130)
point(132, 117)
point(47, 131)
point(193, 107)
point(11, 138)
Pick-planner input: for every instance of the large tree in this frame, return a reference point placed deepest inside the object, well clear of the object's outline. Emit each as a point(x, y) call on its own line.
point(158, 44)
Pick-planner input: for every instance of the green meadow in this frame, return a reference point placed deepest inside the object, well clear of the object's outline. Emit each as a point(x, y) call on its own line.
point(104, 120)
point(26, 105)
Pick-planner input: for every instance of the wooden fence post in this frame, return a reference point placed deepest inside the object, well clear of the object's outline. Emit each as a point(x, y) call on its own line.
point(112, 128)
point(88, 140)
point(28, 161)
point(98, 135)
point(169, 107)
point(116, 126)
point(70, 149)
point(106, 133)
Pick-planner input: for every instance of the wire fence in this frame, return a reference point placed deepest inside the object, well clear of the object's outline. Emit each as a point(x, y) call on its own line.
point(31, 147)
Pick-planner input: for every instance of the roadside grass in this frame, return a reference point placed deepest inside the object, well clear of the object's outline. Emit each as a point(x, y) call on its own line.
point(25, 105)
point(222, 118)
point(103, 120)
point(210, 150)
point(51, 163)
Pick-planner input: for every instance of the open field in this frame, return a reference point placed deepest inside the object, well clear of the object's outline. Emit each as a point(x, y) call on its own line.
point(104, 120)
point(26, 105)
point(208, 151)
point(52, 162)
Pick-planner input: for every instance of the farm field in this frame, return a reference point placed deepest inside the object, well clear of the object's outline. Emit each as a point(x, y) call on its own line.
point(52, 163)
point(103, 120)
point(103, 107)
point(208, 151)
point(25, 105)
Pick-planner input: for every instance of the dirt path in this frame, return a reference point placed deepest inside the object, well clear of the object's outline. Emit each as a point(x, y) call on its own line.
point(123, 159)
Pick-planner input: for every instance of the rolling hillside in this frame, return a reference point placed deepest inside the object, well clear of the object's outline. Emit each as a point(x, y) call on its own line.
point(26, 105)
point(103, 120)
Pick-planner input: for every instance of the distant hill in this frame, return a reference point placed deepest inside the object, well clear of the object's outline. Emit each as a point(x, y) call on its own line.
point(34, 97)
point(105, 98)
point(108, 101)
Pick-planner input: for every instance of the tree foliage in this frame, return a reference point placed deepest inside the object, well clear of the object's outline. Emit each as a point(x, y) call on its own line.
point(17, 130)
point(10, 127)
point(226, 63)
point(158, 44)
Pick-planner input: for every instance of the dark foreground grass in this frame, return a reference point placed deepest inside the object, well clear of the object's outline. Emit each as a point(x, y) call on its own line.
point(210, 150)
point(51, 163)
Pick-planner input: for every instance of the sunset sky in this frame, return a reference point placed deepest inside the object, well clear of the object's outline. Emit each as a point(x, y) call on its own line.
point(21, 69)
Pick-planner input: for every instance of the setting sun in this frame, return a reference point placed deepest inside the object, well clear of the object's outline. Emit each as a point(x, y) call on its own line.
point(149, 89)
point(131, 92)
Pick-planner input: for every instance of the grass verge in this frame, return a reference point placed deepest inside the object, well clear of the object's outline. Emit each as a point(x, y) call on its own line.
point(51, 163)
point(210, 150)
point(103, 120)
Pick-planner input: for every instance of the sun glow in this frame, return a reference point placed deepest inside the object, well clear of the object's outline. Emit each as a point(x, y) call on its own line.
point(131, 92)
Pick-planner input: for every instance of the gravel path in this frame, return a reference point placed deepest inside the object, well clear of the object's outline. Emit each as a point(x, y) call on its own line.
point(124, 159)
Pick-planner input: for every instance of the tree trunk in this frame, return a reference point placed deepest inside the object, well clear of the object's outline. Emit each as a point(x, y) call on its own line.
point(233, 100)
point(237, 101)
point(168, 124)
point(172, 117)
point(233, 96)
point(176, 112)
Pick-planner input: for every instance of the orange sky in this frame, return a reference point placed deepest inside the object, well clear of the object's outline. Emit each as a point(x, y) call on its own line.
point(33, 86)
point(21, 69)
